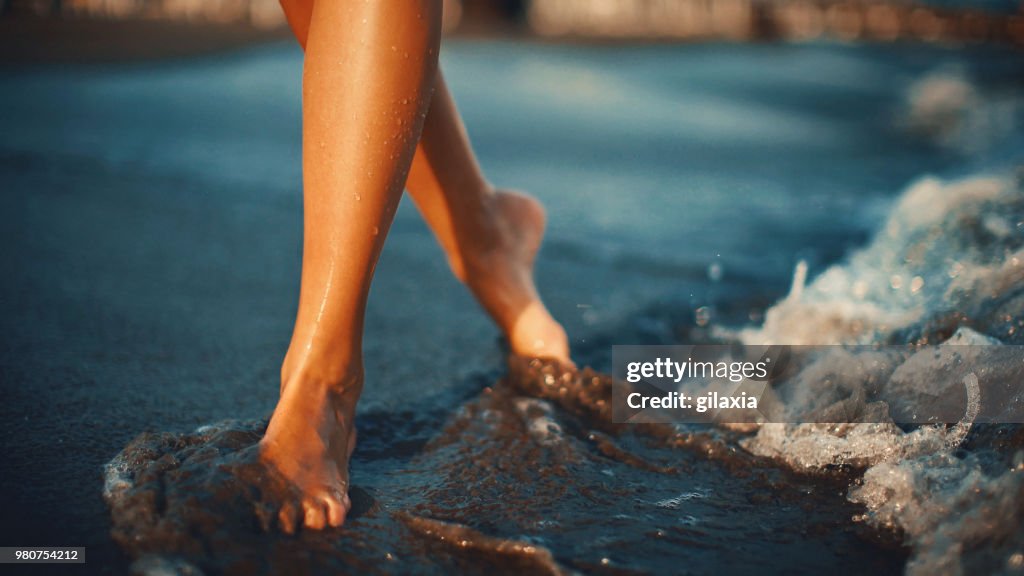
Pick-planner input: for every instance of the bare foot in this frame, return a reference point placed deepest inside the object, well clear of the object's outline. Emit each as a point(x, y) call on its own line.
point(496, 263)
point(309, 441)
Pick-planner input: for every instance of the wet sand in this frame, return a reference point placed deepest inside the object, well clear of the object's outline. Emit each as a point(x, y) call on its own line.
point(153, 240)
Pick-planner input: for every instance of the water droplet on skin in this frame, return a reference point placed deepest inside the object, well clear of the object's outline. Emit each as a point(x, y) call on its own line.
point(357, 196)
point(376, 230)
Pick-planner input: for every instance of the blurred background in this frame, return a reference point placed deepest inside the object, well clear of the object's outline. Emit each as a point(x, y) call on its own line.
point(689, 153)
point(74, 25)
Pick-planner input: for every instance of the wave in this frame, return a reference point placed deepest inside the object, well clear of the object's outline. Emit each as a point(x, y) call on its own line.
point(946, 267)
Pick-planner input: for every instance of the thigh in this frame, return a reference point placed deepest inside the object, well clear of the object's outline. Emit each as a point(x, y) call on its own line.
point(298, 13)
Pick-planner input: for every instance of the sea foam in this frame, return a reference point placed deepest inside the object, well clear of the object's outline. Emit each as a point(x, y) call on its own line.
point(947, 267)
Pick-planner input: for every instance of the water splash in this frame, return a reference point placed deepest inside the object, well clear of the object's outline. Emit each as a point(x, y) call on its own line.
point(957, 493)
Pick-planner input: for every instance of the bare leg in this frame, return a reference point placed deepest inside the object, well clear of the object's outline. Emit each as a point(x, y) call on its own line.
point(370, 67)
point(491, 237)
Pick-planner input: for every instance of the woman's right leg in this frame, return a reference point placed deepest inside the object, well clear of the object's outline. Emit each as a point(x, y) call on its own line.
point(369, 71)
point(491, 237)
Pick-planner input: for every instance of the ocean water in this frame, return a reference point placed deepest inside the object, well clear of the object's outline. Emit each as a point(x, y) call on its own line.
point(953, 492)
point(684, 184)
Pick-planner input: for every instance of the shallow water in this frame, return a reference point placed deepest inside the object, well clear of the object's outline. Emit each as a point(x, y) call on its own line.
point(955, 493)
point(511, 482)
point(154, 238)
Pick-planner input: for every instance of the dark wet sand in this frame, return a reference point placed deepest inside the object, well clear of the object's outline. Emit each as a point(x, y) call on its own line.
point(141, 312)
point(146, 296)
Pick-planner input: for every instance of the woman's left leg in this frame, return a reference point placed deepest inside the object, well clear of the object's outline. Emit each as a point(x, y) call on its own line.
point(490, 236)
point(369, 70)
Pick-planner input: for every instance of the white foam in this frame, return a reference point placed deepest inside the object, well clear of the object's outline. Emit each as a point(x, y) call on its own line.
point(921, 258)
point(116, 477)
point(948, 251)
point(946, 108)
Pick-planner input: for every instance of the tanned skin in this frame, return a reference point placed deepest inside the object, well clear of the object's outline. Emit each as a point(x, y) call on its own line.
point(377, 117)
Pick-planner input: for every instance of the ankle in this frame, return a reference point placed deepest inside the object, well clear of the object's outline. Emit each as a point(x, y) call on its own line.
point(485, 231)
point(337, 378)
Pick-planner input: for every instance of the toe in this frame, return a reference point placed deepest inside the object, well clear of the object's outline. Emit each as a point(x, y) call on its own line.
point(314, 516)
point(336, 509)
point(288, 517)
